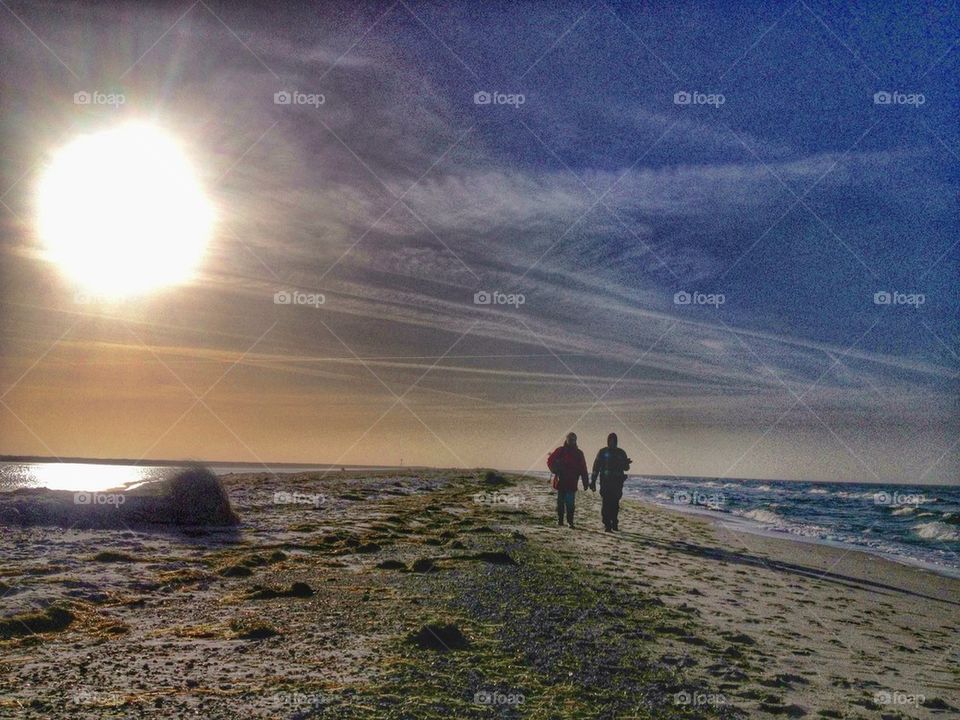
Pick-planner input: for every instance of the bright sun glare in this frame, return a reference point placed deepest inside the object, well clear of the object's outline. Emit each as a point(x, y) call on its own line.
point(122, 212)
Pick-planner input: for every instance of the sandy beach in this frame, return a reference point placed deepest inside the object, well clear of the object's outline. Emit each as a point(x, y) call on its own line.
point(439, 594)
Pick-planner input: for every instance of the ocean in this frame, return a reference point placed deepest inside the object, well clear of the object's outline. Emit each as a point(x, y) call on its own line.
point(916, 524)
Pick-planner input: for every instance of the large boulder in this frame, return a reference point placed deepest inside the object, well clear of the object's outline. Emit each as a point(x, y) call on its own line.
point(193, 496)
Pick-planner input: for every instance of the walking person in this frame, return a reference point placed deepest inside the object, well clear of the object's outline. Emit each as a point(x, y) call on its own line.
point(611, 465)
point(569, 465)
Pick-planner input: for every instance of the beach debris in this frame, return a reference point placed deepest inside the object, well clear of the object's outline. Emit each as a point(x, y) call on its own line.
point(442, 638)
point(296, 590)
point(236, 571)
point(423, 565)
point(247, 629)
point(492, 477)
point(113, 556)
point(52, 619)
point(494, 558)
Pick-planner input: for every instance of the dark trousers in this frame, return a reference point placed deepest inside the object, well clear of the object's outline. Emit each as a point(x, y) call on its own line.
point(611, 490)
point(610, 510)
point(565, 501)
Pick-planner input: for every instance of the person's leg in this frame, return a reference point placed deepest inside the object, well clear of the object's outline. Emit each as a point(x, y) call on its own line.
point(571, 499)
point(560, 504)
point(615, 509)
point(605, 511)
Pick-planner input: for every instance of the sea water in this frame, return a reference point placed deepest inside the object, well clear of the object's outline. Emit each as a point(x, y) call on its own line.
point(919, 524)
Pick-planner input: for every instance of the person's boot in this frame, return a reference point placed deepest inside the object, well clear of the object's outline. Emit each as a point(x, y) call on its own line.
point(606, 528)
point(570, 519)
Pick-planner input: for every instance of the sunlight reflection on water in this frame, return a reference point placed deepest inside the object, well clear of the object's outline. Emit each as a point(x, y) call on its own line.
point(75, 476)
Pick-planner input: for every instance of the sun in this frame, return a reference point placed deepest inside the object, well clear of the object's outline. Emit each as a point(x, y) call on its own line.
point(121, 211)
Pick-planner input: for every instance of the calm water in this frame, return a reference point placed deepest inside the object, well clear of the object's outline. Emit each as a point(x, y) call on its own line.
point(918, 524)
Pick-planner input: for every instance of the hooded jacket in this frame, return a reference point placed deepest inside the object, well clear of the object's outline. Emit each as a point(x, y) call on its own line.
point(611, 465)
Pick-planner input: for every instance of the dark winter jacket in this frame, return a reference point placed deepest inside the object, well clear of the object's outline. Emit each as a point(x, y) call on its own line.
point(611, 465)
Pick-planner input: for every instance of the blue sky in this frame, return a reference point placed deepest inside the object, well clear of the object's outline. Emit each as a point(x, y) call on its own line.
point(792, 193)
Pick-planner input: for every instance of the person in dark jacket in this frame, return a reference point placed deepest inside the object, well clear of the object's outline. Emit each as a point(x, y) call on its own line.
point(611, 465)
point(569, 465)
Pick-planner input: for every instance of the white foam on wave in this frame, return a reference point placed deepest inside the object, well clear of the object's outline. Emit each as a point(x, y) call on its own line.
point(818, 491)
point(936, 531)
point(765, 517)
point(905, 510)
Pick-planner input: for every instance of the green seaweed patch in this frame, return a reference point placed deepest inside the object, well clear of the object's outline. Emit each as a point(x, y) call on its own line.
point(53, 619)
point(113, 556)
point(442, 637)
point(248, 629)
point(424, 565)
point(296, 590)
point(236, 571)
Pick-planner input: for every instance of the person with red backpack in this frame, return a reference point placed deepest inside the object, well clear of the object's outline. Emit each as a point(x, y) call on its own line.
point(568, 464)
